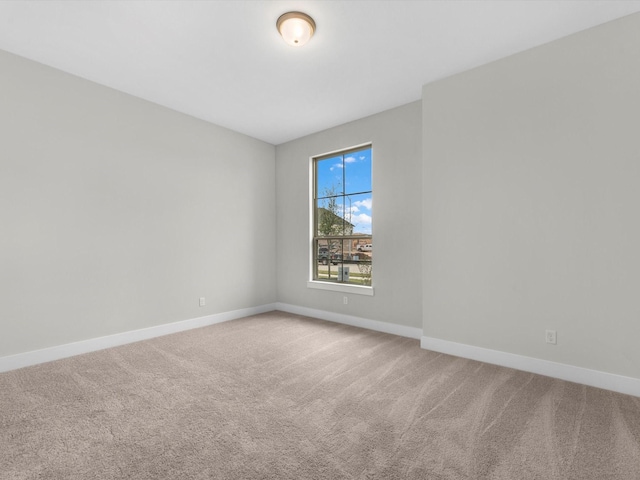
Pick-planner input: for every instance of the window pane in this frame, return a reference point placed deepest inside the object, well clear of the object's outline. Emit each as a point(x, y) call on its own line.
point(329, 177)
point(330, 222)
point(358, 213)
point(357, 167)
point(362, 260)
point(346, 261)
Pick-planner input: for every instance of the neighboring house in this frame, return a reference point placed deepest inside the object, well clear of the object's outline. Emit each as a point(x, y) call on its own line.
point(331, 224)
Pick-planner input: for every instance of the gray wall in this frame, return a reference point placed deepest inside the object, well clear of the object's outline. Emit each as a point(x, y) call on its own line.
point(531, 202)
point(519, 179)
point(396, 164)
point(118, 214)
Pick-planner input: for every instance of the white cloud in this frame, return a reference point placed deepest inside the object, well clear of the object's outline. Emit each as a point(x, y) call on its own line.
point(361, 218)
point(366, 203)
point(349, 160)
point(344, 211)
point(362, 223)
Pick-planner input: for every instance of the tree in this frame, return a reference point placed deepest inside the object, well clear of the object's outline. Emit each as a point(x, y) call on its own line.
point(329, 222)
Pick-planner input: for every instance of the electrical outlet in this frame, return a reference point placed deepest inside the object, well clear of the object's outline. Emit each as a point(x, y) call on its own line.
point(345, 300)
point(203, 301)
point(550, 336)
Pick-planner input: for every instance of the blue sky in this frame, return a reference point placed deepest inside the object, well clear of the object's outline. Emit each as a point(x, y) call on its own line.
point(349, 174)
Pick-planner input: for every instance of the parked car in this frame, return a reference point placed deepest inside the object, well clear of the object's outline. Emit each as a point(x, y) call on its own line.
point(323, 255)
point(365, 248)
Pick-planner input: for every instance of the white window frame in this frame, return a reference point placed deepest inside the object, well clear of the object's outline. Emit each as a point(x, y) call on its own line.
point(368, 290)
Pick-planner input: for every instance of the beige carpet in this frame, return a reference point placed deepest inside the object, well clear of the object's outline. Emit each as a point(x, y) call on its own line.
point(277, 396)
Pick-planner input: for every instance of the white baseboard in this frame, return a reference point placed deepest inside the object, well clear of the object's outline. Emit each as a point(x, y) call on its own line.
point(392, 328)
point(594, 378)
point(12, 362)
point(585, 376)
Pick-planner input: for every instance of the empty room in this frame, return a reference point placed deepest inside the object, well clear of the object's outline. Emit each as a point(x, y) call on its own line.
point(319, 239)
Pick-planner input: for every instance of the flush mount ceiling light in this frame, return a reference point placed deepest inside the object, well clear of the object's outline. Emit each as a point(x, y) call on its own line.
point(296, 28)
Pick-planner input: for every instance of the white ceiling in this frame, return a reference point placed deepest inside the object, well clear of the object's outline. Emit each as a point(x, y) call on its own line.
point(223, 61)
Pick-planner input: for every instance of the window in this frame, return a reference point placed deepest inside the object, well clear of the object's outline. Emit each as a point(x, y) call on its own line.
point(342, 244)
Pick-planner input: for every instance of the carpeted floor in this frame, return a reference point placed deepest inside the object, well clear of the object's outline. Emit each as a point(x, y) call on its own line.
point(278, 396)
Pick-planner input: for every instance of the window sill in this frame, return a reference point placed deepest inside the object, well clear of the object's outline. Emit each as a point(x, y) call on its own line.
point(340, 287)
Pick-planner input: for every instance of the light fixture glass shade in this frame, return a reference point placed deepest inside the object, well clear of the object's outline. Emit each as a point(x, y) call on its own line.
point(296, 28)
